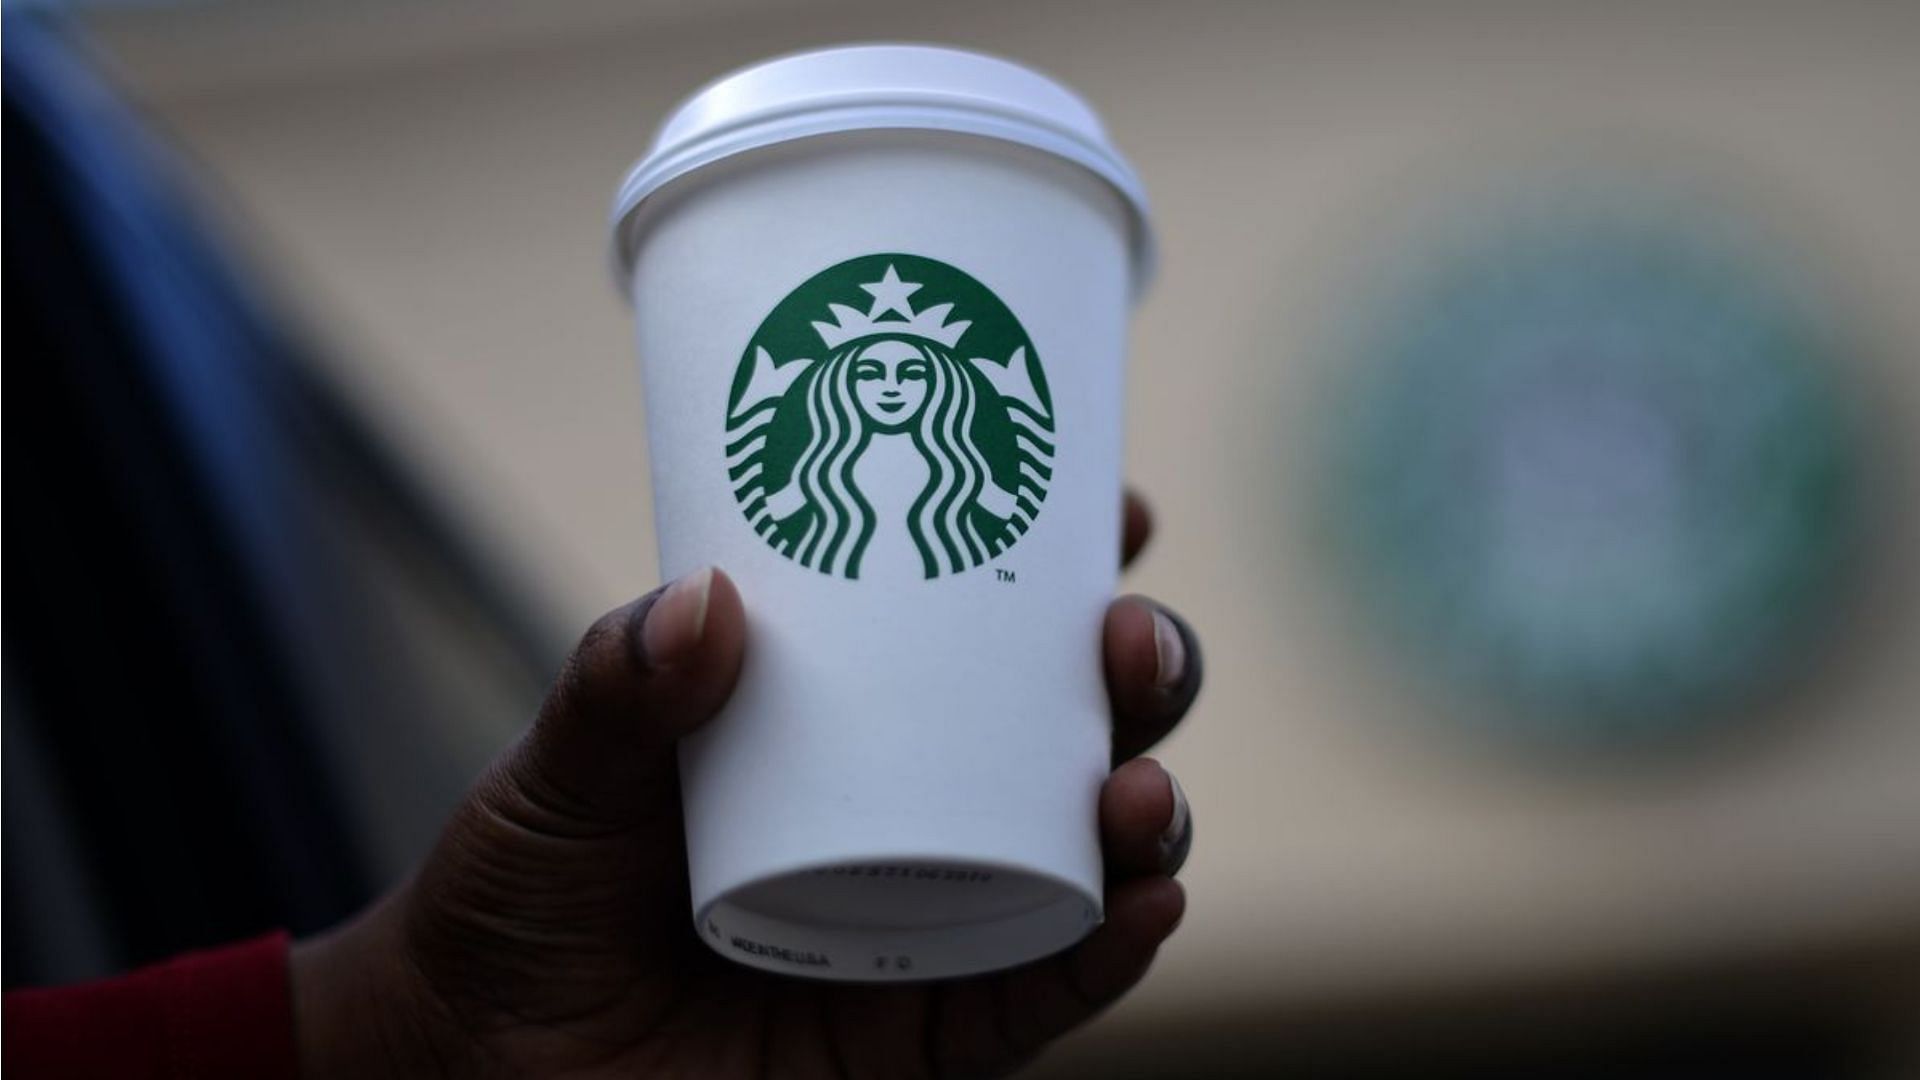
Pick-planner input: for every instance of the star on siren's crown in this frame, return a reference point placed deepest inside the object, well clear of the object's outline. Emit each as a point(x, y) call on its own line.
point(891, 313)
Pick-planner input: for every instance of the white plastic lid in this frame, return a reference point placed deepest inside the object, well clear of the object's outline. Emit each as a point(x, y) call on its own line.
point(865, 87)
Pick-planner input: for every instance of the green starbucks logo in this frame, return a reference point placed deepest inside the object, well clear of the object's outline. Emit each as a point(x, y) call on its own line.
point(890, 412)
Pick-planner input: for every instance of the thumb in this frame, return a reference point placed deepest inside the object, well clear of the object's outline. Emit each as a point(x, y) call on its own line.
point(563, 865)
point(643, 676)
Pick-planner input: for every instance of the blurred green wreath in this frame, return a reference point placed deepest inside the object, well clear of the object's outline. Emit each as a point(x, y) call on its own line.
point(1593, 459)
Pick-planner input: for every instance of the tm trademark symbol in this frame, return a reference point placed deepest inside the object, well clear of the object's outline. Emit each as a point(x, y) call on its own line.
point(1002, 575)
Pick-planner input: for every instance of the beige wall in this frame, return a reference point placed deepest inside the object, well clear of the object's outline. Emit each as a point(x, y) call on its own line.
point(431, 181)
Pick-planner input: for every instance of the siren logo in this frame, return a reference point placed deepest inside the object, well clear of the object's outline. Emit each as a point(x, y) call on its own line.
point(890, 417)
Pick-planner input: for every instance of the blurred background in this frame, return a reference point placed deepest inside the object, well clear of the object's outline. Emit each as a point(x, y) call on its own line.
point(1526, 399)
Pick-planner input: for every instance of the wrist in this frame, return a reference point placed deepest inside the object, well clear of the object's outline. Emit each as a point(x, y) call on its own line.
point(359, 1007)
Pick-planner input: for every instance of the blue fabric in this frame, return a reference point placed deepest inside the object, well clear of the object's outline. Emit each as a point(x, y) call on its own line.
point(217, 568)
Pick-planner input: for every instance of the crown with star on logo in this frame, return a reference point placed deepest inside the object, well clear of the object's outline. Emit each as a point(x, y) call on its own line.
point(891, 313)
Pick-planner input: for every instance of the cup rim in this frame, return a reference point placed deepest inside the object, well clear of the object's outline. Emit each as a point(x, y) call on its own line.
point(1011, 103)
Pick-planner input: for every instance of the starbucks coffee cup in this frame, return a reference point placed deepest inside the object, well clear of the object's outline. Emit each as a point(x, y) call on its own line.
point(881, 297)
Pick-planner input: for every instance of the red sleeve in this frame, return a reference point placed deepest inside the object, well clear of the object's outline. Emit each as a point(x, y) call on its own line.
point(227, 1012)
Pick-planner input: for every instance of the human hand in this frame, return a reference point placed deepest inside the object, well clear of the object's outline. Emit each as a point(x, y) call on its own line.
point(548, 933)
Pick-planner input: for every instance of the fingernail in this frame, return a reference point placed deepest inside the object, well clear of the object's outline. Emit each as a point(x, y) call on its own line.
point(1170, 651)
point(1177, 837)
point(678, 620)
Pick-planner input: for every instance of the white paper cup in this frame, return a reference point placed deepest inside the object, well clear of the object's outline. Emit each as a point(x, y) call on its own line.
point(920, 502)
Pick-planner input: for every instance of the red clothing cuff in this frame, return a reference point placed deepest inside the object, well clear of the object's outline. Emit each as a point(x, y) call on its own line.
point(226, 1012)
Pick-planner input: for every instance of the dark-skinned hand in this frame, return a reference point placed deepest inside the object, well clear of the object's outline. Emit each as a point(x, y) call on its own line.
point(548, 933)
